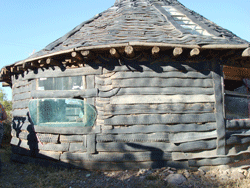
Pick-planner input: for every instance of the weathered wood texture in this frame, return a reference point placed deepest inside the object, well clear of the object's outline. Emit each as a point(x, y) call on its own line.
point(221, 131)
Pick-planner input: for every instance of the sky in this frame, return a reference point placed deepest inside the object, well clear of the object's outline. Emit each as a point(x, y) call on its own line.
point(27, 26)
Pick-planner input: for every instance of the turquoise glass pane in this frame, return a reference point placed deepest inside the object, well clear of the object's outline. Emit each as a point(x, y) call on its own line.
point(62, 113)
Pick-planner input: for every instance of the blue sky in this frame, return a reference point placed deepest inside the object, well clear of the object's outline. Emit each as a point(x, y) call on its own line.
point(27, 26)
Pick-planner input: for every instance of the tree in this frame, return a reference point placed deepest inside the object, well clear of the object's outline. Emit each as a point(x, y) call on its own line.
point(7, 123)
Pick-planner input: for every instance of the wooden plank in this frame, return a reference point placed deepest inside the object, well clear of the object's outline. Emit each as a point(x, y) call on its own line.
point(102, 166)
point(47, 138)
point(20, 104)
point(65, 94)
point(23, 89)
point(169, 67)
point(91, 143)
point(156, 146)
point(20, 113)
point(175, 74)
point(162, 82)
point(77, 147)
point(68, 130)
point(54, 147)
point(155, 137)
point(19, 83)
point(159, 119)
point(163, 91)
point(191, 136)
point(72, 138)
point(118, 157)
point(57, 72)
point(162, 128)
point(90, 81)
point(158, 108)
point(22, 96)
point(152, 99)
point(221, 131)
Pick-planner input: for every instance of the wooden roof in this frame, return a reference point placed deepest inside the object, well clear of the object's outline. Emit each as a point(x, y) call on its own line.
point(164, 23)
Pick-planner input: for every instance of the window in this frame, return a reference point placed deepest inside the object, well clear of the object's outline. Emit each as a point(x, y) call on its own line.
point(237, 92)
point(62, 113)
point(61, 83)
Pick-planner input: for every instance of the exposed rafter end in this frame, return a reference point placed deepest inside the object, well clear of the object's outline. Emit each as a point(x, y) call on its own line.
point(114, 53)
point(77, 56)
point(5, 84)
point(246, 53)
point(177, 51)
point(129, 50)
point(87, 54)
point(155, 50)
point(51, 61)
point(194, 52)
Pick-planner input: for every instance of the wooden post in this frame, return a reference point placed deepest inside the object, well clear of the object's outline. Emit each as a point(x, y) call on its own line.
point(155, 50)
point(194, 52)
point(177, 51)
point(246, 53)
point(77, 56)
point(129, 50)
point(114, 53)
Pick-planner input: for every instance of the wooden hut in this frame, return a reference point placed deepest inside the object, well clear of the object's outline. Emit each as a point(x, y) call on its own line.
point(146, 83)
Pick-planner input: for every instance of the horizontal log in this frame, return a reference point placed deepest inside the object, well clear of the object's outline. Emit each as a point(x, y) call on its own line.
point(238, 124)
point(21, 104)
point(156, 146)
point(108, 94)
point(103, 81)
point(155, 137)
point(72, 138)
point(153, 99)
point(159, 119)
point(162, 82)
point(104, 88)
point(191, 136)
point(246, 52)
point(22, 96)
point(164, 91)
point(169, 67)
point(199, 155)
point(68, 130)
point(57, 72)
point(18, 83)
point(102, 166)
point(209, 162)
point(118, 157)
point(63, 147)
point(158, 108)
point(65, 94)
point(23, 89)
point(20, 113)
point(232, 140)
point(162, 128)
point(175, 74)
point(47, 138)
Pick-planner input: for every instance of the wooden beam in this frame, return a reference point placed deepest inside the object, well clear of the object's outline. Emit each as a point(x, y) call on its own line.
point(114, 53)
point(77, 56)
point(129, 50)
point(246, 53)
point(155, 50)
point(5, 84)
point(177, 51)
point(86, 54)
point(51, 61)
point(194, 52)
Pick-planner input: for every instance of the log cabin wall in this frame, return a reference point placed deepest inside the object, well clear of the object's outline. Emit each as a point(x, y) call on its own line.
point(149, 115)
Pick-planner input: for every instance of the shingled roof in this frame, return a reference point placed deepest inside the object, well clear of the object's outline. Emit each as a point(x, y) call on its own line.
point(150, 21)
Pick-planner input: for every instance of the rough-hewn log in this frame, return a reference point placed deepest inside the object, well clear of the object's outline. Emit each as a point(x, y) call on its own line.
point(158, 109)
point(162, 82)
point(86, 54)
point(175, 74)
point(156, 146)
point(209, 162)
point(233, 140)
point(153, 99)
point(238, 124)
point(221, 131)
point(22, 89)
point(114, 53)
point(162, 128)
point(72, 138)
point(22, 96)
point(108, 94)
point(21, 104)
point(177, 51)
point(156, 137)
point(129, 50)
point(77, 147)
point(65, 94)
point(246, 52)
point(194, 52)
point(191, 136)
point(50, 61)
point(77, 56)
point(67, 131)
point(5, 84)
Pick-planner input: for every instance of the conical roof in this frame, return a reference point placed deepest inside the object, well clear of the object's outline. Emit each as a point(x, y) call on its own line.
point(149, 21)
